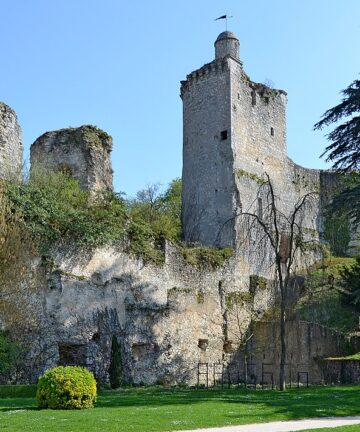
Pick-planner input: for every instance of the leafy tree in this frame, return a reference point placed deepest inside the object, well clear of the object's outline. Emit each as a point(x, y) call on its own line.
point(160, 211)
point(115, 369)
point(53, 208)
point(9, 353)
point(350, 281)
point(344, 148)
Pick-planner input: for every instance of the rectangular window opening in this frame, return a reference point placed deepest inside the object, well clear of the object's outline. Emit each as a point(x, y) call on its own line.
point(253, 98)
point(260, 209)
point(272, 133)
point(224, 135)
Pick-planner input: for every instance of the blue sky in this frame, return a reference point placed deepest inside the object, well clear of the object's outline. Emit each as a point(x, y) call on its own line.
point(117, 64)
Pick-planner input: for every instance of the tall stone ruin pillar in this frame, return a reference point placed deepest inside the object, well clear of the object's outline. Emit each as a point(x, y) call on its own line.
point(11, 148)
point(83, 152)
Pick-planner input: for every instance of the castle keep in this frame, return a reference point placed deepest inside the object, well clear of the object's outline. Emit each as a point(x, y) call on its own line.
point(234, 133)
point(169, 318)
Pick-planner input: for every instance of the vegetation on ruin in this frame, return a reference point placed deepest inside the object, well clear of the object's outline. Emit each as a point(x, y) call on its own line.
point(254, 177)
point(51, 209)
point(164, 409)
point(323, 300)
point(350, 284)
point(237, 298)
point(208, 257)
point(349, 357)
point(257, 282)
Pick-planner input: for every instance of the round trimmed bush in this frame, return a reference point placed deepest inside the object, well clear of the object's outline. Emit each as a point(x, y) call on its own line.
point(66, 387)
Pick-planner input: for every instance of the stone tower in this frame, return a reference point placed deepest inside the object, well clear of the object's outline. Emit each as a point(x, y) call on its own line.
point(83, 152)
point(11, 148)
point(234, 130)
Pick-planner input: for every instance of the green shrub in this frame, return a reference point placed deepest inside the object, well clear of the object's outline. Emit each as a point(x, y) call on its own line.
point(206, 256)
point(66, 387)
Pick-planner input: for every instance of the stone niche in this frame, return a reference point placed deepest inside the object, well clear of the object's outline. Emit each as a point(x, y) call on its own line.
point(71, 354)
point(83, 153)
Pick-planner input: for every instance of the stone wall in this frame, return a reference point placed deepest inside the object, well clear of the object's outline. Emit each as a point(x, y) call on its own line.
point(207, 156)
point(83, 152)
point(306, 344)
point(341, 371)
point(11, 148)
point(235, 134)
point(167, 319)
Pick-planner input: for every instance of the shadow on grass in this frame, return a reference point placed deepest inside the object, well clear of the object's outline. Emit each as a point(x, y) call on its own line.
point(249, 405)
point(297, 403)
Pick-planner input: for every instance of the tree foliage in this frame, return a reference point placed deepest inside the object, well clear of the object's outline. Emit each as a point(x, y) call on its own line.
point(9, 354)
point(53, 208)
point(350, 281)
point(344, 148)
point(115, 368)
point(160, 211)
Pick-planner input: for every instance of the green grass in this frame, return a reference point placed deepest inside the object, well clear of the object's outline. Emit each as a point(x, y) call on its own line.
point(11, 391)
point(349, 357)
point(353, 428)
point(155, 409)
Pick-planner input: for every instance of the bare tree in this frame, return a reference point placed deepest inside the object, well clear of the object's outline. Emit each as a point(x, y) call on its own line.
point(288, 241)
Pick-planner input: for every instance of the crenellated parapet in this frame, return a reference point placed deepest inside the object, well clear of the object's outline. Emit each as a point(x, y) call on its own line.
point(216, 67)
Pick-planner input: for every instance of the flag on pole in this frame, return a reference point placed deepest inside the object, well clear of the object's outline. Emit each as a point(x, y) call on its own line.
point(221, 17)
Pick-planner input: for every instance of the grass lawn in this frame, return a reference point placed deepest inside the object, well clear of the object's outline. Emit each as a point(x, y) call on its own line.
point(354, 428)
point(155, 409)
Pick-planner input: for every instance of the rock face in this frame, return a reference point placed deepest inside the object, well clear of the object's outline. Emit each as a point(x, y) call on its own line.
point(168, 319)
point(83, 152)
point(11, 148)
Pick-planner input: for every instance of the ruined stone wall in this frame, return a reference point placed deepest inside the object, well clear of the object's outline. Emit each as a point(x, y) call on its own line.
point(341, 371)
point(83, 152)
point(166, 319)
point(11, 148)
point(306, 343)
point(169, 318)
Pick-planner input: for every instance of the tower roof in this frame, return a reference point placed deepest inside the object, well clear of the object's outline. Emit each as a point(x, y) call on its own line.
point(226, 35)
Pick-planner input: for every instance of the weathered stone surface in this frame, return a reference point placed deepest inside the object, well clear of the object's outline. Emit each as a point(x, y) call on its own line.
point(167, 319)
point(11, 148)
point(234, 133)
point(83, 152)
point(340, 371)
